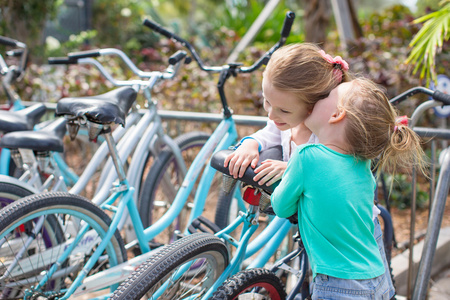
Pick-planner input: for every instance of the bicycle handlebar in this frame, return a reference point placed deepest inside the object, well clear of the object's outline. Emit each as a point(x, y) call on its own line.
point(62, 61)
point(122, 55)
point(442, 97)
point(436, 95)
point(11, 42)
point(178, 56)
point(16, 72)
point(15, 52)
point(287, 25)
point(84, 54)
point(73, 57)
point(85, 57)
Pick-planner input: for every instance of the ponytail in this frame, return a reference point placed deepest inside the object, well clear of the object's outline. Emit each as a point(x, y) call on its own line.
point(404, 150)
point(374, 130)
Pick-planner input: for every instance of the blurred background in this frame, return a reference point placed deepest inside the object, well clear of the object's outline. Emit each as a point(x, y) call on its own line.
point(377, 44)
point(374, 36)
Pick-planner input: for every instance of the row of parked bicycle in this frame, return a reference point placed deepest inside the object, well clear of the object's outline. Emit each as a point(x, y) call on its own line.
point(56, 244)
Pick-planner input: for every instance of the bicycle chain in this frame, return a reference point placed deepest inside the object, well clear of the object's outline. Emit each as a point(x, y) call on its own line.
point(38, 295)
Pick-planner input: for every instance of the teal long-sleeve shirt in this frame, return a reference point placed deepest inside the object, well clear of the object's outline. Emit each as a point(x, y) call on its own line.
point(333, 195)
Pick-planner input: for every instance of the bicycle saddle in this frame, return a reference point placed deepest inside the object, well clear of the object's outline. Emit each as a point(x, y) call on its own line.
point(24, 119)
point(49, 138)
point(107, 108)
point(275, 153)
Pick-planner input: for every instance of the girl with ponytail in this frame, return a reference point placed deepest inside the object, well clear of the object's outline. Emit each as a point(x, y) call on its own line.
point(330, 186)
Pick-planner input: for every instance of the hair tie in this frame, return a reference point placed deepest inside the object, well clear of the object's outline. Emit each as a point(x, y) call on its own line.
point(339, 65)
point(400, 121)
point(337, 61)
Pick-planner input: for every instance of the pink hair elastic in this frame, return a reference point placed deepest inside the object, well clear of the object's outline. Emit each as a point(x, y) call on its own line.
point(401, 121)
point(337, 60)
point(338, 63)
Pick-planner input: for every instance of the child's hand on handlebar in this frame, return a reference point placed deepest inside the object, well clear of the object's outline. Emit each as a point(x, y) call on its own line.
point(270, 171)
point(245, 155)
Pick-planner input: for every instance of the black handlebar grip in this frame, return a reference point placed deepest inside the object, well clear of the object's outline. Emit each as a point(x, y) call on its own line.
point(8, 41)
point(15, 52)
point(84, 54)
point(158, 28)
point(287, 25)
point(61, 61)
point(177, 57)
point(440, 96)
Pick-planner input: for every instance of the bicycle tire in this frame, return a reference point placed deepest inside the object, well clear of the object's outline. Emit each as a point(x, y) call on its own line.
point(61, 212)
point(203, 247)
point(227, 208)
point(258, 281)
point(10, 192)
point(155, 197)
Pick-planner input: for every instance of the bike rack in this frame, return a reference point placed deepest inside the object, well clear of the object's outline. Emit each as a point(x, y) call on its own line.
point(431, 237)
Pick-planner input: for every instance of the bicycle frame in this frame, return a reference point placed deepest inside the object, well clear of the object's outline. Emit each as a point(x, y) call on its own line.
point(224, 136)
point(268, 240)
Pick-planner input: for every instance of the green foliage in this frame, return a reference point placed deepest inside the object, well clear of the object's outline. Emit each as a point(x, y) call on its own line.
point(23, 20)
point(424, 5)
point(118, 22)
point(430, 40)
point(381, 53)
point(401, 192)
point(75, 43)
point(232, 17)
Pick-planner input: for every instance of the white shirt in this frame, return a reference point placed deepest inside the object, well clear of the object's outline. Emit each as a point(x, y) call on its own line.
point(271, 136)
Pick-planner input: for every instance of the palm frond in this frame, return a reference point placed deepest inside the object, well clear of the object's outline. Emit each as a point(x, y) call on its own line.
point(428, 41)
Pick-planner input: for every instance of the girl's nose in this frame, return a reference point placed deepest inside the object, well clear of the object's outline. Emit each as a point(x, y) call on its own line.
point(270, 114)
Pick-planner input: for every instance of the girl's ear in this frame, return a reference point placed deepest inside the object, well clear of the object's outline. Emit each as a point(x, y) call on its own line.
point(337, 116)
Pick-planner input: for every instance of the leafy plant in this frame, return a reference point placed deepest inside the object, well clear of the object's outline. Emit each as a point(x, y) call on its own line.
point(401, 192)
point(24, 20)
point(429, 40)
point(76, 42)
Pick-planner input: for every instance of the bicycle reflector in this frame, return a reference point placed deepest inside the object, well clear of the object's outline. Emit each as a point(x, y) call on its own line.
point(251, 195)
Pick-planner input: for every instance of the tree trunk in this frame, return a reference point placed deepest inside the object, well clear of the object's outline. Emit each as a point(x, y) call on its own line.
point(316, 20)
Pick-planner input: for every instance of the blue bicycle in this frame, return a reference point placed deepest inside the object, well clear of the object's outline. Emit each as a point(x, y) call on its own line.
point(63, 245)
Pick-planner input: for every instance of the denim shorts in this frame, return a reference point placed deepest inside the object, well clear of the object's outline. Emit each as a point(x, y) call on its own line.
point(378, 288)
point(379, 237)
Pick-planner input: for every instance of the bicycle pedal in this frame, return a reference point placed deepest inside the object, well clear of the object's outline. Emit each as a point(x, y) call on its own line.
point(178, 235)
point(154, 245)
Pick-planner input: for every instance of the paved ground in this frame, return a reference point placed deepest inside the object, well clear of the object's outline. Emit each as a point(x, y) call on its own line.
point(440, 289)
point(440, 272)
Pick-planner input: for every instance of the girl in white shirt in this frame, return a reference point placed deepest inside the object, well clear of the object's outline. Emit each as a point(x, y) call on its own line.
point(296, 77)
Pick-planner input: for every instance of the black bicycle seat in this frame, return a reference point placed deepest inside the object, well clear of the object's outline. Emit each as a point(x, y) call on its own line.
point(107, 108)
point(49, 138)
point(24, 119)
point(275, 153)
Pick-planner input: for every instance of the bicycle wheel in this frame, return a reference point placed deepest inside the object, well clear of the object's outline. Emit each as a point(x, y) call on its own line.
point(162, 184)
point(251, 284)
point(10, 192)
point(228, 206)
point(36, 230)
point(203, 255)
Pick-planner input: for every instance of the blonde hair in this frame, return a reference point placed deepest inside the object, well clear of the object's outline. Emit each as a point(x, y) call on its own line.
point(300, 69)
point(373, 129)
